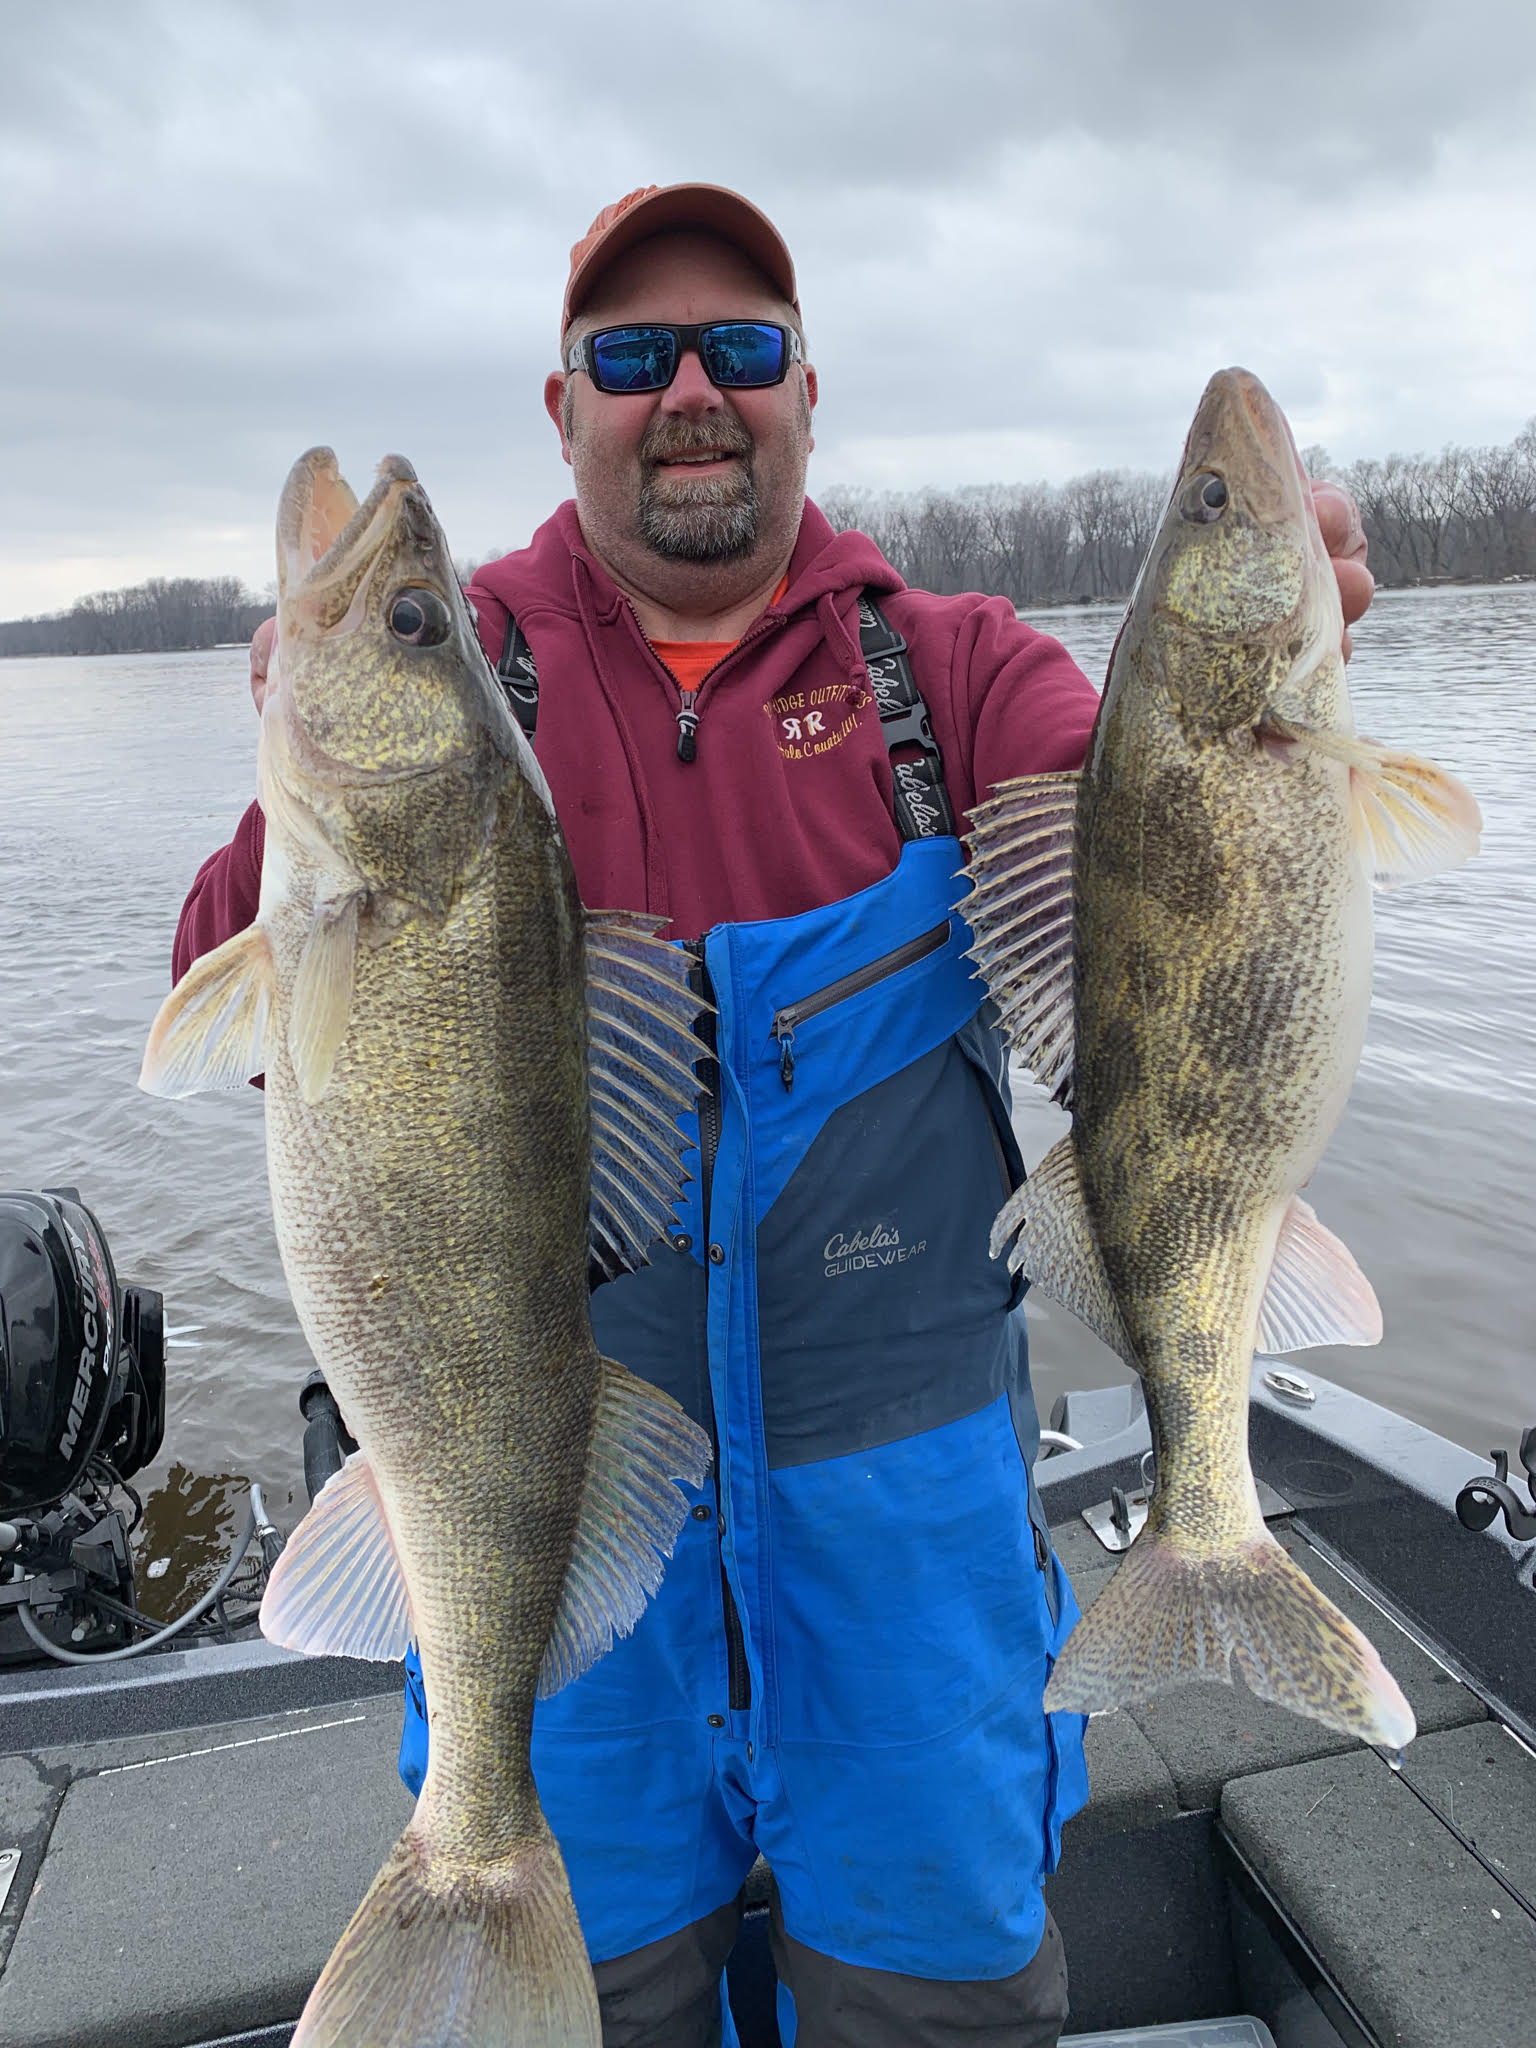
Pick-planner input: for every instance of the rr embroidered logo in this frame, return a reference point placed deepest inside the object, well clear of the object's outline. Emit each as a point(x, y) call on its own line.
point(809, 722)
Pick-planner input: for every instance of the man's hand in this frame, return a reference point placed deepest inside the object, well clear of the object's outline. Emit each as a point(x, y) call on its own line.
point(1338, 519)
point(266, 633)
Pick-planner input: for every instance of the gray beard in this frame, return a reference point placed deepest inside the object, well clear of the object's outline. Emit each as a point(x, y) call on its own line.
point(711, 520)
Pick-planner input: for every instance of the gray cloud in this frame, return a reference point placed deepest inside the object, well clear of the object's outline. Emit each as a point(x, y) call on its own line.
point(1025, 234)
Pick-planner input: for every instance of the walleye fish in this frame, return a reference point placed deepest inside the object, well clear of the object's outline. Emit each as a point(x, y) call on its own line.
point(447, 1040)
point(1179, 938)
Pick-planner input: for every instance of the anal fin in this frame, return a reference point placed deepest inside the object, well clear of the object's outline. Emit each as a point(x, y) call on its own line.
point(643, 1449)
point(337, 1590)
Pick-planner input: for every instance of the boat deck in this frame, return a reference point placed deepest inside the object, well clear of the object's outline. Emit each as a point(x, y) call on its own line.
point(193, 1830)
point(1236, 1858)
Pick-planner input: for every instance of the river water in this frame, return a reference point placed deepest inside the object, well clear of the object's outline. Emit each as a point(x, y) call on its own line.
point(118, 776)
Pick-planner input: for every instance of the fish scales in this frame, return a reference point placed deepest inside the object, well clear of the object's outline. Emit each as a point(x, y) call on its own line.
point(1219, 1017)
point(1224, 838)
point(453, 1232)
point(446, 1034)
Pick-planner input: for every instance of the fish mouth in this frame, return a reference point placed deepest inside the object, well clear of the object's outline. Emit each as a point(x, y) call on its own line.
point(1240, 435)
point(339, 563)
point(327, 541)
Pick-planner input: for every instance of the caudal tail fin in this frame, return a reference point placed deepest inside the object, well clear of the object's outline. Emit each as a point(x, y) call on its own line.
point(1166, 1616)
point(439, 1957)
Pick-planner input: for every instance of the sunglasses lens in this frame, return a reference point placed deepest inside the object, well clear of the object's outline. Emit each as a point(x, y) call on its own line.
point(742, 353)
point(634, 358)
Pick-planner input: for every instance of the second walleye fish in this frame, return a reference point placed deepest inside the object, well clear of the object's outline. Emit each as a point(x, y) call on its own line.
point(442, 1026)
point(1180, 941)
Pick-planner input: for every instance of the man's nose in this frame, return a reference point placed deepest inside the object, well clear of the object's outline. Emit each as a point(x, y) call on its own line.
point(690, 391)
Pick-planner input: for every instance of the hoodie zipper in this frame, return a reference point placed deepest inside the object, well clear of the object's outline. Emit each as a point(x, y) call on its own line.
point(786, 1020)
point(688, 725)
point(738, 1673)
point(688, 711)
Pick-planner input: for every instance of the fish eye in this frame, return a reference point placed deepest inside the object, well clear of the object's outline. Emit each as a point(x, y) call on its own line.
point(1206, 498)
point(419, 618)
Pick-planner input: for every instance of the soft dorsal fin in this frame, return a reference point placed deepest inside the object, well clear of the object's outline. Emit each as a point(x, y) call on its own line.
point(641, 1051)
point(208, 1032)
point(643, 1450)
point(1020, 908)
point(338, 1590)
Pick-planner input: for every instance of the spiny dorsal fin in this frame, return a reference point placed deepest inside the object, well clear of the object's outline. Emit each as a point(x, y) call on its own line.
point(643, 1449)
point(641, 1050)
point(1316, 1293)
point(1020, 909)
point(208, 1032)
point(337, 1590)
point(1053, 1245)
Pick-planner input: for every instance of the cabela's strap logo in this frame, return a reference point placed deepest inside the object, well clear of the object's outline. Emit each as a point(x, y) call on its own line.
point(808, 722)
point(862, 1251)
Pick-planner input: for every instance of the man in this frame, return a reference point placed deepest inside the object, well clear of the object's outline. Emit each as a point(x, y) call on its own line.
point(844, 1667)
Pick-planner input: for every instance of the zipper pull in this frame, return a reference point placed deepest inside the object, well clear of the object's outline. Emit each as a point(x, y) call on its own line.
point(687, 727)
point(787, 1057)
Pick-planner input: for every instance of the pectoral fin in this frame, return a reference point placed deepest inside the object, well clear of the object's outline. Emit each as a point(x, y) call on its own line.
point(208, 1032)
point(1412, 819)
point(338, 1590)
point(1316, 1293)
point(322, 993)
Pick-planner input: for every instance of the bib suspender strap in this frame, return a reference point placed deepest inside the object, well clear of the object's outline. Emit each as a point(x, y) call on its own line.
point(923, 808)
point(519, 678)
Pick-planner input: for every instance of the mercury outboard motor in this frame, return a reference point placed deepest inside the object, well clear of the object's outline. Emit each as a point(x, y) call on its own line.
point(82, 1408)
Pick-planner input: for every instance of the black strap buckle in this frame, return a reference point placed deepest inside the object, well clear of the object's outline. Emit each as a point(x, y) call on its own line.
point(923, 808)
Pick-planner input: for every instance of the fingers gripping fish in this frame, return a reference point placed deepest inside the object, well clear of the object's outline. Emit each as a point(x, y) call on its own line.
point(472, 1088)
point(1179, 938)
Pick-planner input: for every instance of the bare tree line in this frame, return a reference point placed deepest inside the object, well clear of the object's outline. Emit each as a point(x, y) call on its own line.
point(150, 618)
point(1464, 515)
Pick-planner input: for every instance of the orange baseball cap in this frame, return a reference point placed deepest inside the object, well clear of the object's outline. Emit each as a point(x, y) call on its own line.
point(650, 209)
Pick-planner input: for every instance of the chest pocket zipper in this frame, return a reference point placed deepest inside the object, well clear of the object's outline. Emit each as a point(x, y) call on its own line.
point(786, 1021)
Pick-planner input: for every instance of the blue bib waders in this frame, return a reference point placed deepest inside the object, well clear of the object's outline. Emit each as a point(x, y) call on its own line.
point(844, 1667)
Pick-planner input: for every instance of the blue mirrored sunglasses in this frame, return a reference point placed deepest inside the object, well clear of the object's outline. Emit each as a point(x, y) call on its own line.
point(738, 355)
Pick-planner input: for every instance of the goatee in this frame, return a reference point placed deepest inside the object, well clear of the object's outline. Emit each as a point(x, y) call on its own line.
point(698, 518)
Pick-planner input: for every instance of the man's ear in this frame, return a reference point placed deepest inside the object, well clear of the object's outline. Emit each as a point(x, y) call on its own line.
point(554, 405)
point(811, 393)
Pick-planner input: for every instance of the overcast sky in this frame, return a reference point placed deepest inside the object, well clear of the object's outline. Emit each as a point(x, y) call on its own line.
point(1026, 233)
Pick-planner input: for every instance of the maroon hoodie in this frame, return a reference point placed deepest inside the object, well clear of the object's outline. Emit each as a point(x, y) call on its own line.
point(787, 804)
